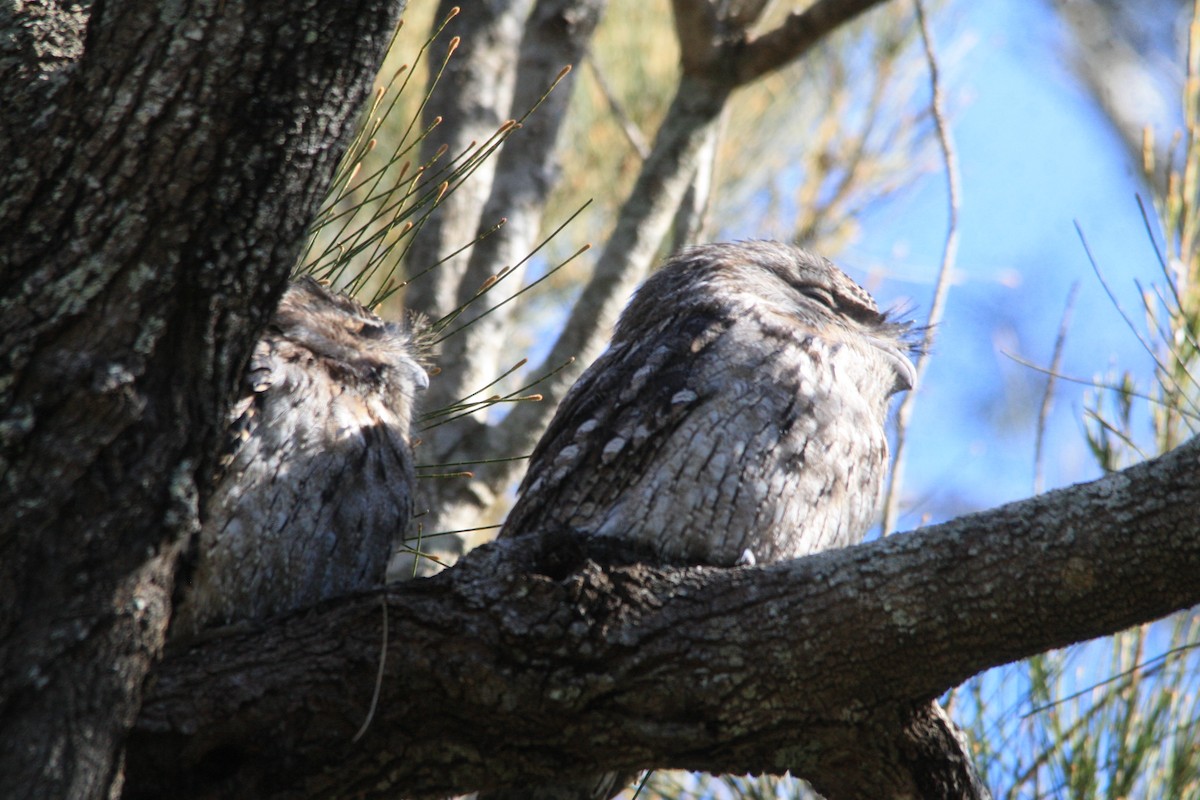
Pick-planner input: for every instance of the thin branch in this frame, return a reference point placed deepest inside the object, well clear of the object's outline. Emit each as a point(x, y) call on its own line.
point(633, 134)
point(942, 286)
point(1094, 384)
point(1150, 350)
point(383, 608)
point(1144, 667)
point(1048, 394)
point(1158, 251)
point(527, 287)
point(1113, 430)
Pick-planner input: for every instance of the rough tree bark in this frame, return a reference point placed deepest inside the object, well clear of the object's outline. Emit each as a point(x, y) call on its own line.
point(161, 164)
point(528, 661)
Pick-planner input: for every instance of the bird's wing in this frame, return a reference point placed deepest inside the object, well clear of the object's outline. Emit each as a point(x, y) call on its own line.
point(623, 407)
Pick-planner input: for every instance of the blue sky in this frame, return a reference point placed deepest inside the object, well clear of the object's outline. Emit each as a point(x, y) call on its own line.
point(1036, 156)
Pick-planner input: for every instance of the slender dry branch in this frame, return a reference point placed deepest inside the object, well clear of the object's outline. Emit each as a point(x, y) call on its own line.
point(528, 660)
point(633, 134)
point(1048, 395)
point(891, 504)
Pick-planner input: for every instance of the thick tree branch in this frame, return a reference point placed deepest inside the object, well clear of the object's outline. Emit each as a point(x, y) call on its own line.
point(529, 661)
point(156, 191)
point(698, 29)
point(39, 47)
point(800, 31)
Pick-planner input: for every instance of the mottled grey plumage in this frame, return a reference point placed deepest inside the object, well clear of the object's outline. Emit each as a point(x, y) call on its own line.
point(738, 414)
point(737, 417)
point(318, 480)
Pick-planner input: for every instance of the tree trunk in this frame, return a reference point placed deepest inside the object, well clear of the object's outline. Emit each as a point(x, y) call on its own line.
point(162, 163)
point(514, 188)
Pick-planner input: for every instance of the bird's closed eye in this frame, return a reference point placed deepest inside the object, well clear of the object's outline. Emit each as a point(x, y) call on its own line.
point(822, 296)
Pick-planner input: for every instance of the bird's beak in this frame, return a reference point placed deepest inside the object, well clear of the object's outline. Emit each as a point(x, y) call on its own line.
point(420, 377)
point(906, 372)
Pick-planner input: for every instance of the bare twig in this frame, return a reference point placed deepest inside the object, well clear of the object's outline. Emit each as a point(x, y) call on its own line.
point(383, 607)
point(633, 134)
point(942, 286)
point(1151, 351)
point(1048, 395)
point(1096, 384)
